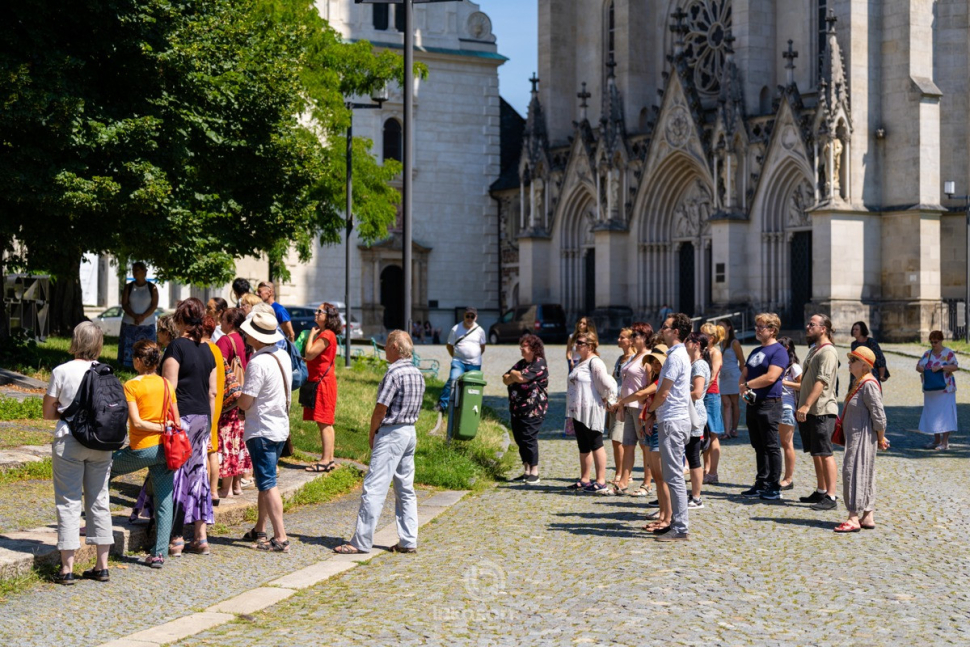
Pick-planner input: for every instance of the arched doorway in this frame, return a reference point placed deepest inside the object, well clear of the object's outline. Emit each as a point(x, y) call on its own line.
point(392, 297)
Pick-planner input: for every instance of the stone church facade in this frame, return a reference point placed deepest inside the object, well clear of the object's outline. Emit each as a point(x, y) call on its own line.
point(717, 155)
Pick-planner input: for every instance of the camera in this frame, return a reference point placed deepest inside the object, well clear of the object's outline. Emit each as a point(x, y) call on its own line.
point(750, 397)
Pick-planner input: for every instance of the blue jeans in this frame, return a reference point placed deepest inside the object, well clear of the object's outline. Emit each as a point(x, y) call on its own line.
point(458, 368)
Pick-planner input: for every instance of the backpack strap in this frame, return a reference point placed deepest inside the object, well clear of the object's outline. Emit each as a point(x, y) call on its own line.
point(81, 395)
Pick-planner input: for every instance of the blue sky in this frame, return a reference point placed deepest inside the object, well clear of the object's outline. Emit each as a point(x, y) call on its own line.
point(515, 25)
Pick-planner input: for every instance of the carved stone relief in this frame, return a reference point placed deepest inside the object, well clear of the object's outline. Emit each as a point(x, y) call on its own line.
point(799, 202)
point(678, 127)
point(692, 214)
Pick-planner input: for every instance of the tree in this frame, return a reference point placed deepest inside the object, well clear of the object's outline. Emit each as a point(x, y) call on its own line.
point(180, 133)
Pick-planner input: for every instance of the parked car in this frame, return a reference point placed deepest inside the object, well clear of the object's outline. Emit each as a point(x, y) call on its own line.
point(109, 321)
point(547, 320)
point(302, 318)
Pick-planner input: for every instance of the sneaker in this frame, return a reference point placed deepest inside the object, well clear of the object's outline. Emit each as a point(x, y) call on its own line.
point(654, 504)
point(694, 504)
point(521, 477)
point(814, 497)
point(754, 490)
point(827, 503)
point(532, 479)
point(771, 495)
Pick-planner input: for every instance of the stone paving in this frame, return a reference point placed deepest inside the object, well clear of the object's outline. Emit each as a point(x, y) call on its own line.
point(522, 564)
point(537, 565)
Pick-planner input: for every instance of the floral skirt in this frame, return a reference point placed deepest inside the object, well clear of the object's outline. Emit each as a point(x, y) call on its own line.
point(235, 456)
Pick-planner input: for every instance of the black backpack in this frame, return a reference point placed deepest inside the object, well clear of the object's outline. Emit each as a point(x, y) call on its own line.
point(98, 416)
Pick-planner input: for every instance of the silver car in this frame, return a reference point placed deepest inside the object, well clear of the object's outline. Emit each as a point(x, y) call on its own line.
point(109, 321)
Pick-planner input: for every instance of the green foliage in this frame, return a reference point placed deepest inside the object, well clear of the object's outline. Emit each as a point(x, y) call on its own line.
point(329, 487)
point(39, 470)
point(26, 409)
point(185, 134)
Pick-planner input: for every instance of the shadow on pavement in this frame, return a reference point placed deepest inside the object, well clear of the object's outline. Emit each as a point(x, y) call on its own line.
point(809, 523)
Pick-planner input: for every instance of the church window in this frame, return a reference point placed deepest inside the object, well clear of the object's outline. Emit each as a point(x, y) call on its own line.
point(381, 16)
point(399, 17)
point(821, 12)
point(393, 143)
point(706, 26)
point(611, 32)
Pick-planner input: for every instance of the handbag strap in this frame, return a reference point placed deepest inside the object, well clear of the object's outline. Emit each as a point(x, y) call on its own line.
point(235, 350)
point(470, 331)
point(283, 375)
point(167, 404)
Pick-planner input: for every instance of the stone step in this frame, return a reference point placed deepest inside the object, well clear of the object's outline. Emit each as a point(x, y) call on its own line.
point(20, 551)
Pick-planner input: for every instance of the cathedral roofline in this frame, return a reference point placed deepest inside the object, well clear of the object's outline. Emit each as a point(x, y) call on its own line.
point(494, 56)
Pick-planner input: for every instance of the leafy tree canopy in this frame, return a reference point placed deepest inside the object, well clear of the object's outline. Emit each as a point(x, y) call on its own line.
point(187, 134)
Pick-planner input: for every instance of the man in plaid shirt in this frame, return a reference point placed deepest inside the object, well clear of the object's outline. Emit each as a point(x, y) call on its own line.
point(392, 441)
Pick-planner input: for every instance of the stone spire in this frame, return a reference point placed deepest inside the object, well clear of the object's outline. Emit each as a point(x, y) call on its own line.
point(731, 94)
point(833, 120)
point(583, 96)
point(834, 86)
point(612, 123)
point(790, 57)
point(535, 137)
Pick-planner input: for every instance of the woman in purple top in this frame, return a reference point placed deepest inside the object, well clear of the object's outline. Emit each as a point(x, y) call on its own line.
point(528, 402)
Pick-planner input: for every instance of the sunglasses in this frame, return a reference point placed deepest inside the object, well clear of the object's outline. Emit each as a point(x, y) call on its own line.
point(321, 312)
point(665, 327)
point(852, 360)
point(469, 316)
point(582, 343)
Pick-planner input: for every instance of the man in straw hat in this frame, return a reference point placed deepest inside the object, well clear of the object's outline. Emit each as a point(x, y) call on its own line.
point(266, 398)
point(392, 441)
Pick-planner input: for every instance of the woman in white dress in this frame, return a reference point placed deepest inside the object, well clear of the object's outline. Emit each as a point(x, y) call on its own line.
point(936, 369)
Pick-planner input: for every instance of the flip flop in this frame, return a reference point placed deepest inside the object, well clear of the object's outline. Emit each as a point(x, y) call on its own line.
point(845, 527)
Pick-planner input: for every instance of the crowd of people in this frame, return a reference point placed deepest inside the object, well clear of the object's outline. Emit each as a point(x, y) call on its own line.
point(677, 395)
point(223, 375)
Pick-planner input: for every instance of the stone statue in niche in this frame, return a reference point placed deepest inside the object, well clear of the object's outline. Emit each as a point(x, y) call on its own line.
point(538, 206)
point(833, 159)
point(614, 189)
point(801, 200)
point(729, 179)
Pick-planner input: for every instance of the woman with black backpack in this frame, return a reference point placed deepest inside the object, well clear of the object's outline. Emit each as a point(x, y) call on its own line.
point(78, 468)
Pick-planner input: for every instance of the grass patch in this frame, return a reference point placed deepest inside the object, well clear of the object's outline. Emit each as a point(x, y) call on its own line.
point(460, 465)
point(328, 488)
point(16, 409)
point(40, 470)
point(39, 359)
point(19, 436)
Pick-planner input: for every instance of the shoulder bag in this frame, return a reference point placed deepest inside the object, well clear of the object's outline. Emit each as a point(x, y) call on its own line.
point(933, 380)
point(288, 446)
point(838, 434)
point(236, 363)
point(232, 390)
point(308, 392)
point(175, 441)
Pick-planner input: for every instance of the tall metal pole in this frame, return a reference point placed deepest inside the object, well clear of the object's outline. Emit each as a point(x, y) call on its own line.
point(350, 228)
point(408, 152)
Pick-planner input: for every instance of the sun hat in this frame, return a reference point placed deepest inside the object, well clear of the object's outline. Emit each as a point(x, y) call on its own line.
point(658, 353)
point(262, 327)
point(863, 354)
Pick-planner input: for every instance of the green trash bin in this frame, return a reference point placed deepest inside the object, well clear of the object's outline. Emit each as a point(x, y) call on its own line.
point(467, 397)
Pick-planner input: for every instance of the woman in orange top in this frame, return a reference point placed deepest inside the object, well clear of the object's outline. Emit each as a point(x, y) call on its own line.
point(146, 424)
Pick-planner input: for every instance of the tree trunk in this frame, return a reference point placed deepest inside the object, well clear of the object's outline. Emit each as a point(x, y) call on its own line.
point(67, 307)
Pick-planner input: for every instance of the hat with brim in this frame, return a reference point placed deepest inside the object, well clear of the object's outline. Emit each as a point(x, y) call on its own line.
point(263, 328)
point(863, 354)
point(658, 353)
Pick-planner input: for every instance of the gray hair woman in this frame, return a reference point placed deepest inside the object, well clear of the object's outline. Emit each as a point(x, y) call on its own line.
point(77, 468)
point(864, 426)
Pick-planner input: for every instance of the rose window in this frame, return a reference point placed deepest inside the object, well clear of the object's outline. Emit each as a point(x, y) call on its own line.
point(706, 26)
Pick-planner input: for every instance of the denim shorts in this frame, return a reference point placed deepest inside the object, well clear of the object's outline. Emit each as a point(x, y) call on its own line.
point(788, 415)
point(653, 440)
point(265, 454)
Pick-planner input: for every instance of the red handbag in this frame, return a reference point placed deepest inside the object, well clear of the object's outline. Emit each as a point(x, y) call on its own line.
point(175, 441)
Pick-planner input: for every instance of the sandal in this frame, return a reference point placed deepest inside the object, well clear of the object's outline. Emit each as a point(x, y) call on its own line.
point(579, 485)
point(653, 516)
point(710, 479)
point(198, 547)
point(155, 561)
point(398, 548)
point(319, 467)
point(347, 549)
point(845, 526)
point(253, 535)
point(175, 548)
point(273, 545)
point(640, 491)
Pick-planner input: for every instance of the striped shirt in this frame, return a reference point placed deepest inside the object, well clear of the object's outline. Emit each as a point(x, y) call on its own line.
point(401, 390)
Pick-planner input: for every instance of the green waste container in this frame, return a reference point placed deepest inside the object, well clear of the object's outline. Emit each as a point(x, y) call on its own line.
point(467, 411)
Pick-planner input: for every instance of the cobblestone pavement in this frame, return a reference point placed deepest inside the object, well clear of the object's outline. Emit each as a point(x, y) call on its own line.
point(537, 565)
point(137, 597)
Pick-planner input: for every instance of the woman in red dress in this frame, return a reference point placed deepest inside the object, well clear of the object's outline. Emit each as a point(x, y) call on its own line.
point(321, 351)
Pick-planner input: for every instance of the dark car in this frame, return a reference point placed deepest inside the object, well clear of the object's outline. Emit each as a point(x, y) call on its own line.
point(301, 318)
point(547, 320)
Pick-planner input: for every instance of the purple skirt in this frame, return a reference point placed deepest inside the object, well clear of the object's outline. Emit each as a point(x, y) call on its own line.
point(192, 495)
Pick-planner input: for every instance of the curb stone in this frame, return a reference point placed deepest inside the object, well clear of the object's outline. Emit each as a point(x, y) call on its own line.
point(282, 588)
point(22, 550)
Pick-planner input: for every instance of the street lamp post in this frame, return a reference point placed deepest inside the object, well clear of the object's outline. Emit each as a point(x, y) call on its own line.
point(949, 188)
point(379, 97)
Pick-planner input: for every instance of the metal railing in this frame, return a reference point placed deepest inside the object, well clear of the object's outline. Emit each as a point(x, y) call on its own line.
point(951, 318)
point(740, 333)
